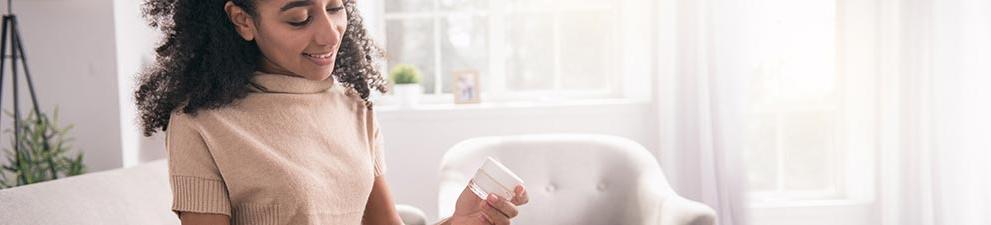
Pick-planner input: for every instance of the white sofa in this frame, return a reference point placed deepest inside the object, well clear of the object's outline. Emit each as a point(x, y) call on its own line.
point(134, 196)
point(576, 179)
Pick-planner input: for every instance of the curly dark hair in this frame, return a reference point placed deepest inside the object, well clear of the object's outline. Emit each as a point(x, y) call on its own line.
point(203, 63)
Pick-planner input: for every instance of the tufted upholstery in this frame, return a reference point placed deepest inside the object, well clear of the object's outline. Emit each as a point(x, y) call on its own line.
point(136, 195)
point(576, 179)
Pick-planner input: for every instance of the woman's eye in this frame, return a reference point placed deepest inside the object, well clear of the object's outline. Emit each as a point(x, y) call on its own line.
point(335, 9)
point(301, 23)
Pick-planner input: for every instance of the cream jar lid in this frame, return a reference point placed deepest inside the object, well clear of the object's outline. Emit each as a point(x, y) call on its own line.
point(495, 178)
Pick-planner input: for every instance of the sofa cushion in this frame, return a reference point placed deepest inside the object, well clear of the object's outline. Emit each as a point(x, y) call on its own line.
point(137, 195)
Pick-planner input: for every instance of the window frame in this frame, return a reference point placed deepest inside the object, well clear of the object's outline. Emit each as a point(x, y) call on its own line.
point(620, 86)
point(858, 46)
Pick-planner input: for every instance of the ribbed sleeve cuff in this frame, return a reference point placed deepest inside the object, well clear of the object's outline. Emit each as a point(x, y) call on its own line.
point(256, 214)
point(379, 169)
point(199, 195)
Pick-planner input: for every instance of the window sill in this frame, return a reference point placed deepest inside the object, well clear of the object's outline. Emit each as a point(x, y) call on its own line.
point(515, 109)
point(809, 203)
point(432, 107)
point(814, 212)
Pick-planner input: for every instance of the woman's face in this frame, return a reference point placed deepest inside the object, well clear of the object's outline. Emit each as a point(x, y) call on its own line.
point(299, 37)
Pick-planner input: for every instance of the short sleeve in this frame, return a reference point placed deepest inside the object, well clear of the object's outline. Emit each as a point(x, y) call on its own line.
point(377, 145)
point(197, 185)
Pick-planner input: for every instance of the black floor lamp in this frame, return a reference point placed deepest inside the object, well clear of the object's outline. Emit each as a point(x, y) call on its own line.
point(12, 33)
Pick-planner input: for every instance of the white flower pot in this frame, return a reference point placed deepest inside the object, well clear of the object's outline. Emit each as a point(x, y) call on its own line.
point(408, 94)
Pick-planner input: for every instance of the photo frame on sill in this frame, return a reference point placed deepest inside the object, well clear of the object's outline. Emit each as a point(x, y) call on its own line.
point(466, 87)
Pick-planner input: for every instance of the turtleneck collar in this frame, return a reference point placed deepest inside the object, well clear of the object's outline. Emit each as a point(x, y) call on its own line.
point(277, 83)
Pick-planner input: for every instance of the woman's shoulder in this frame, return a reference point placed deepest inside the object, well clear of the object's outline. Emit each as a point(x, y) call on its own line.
point(181, 119)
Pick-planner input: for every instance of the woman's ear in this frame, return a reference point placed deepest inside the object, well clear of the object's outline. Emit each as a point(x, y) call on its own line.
point(243, 22)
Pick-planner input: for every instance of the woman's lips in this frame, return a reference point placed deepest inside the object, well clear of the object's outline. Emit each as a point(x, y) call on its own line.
point(321, 59)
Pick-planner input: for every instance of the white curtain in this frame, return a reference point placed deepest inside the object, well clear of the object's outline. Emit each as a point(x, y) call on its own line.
point(701, 95)
point(934, 164)
point(936, 151)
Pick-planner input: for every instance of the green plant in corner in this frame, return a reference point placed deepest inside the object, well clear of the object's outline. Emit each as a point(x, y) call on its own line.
point(404, 74)
point(44, 152)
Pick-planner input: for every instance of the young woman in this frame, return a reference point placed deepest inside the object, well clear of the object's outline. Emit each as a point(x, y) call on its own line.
point(267, 118)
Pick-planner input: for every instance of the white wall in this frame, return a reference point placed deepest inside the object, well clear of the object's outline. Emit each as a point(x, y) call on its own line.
point(84, 55)
point(72, 54)
point(136, 42)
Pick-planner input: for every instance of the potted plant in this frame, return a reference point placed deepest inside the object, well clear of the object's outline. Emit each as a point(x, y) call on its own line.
point(43, 154)
point(406, 84)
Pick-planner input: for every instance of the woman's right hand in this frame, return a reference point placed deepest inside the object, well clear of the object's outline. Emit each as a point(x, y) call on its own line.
point(471, 210)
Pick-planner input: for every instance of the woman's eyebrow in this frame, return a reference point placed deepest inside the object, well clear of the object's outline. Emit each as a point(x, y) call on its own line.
point(294, 4)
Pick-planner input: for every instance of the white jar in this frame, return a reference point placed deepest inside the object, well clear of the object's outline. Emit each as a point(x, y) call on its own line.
point(495, 178)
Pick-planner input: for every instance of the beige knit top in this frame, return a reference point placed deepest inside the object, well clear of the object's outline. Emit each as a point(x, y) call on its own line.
point(294, 151)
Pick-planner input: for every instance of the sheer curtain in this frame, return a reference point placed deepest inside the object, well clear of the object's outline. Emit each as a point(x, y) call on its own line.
point(936, 151)
point(934, 116)
point(701, 95)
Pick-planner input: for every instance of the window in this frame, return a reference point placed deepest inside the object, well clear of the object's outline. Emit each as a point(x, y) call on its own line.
point(812, 125)
point(519, 47)
point(793, 150)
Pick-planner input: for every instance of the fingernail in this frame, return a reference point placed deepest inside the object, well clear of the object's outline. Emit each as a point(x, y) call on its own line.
point(493, 198)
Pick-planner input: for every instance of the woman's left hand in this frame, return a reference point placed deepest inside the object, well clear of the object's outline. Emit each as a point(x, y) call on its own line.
point(471, 210)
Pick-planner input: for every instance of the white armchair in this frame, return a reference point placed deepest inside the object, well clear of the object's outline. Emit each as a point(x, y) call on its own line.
point(576, 179)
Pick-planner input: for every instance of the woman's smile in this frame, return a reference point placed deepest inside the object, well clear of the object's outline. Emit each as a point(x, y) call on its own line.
point(321, 59)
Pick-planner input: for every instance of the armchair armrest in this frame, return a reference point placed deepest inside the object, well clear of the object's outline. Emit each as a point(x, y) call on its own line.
point(677, 210)
point(411, 215)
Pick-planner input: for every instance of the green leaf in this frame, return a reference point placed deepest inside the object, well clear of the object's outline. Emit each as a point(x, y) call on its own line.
point(44, 151)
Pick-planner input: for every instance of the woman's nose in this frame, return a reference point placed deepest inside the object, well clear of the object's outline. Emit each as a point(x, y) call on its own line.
point(329, 29)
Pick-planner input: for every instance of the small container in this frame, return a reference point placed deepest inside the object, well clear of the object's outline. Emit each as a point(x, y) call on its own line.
point(494, 178)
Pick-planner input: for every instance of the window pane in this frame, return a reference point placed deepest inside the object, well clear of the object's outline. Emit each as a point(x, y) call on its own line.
point(585, 48)
point(547, 5)
point(807, 142)
point(463, 5)
point(529, 4)
point(408, 5)
point(529, 52)
point(464, 45)
point(795, 81)
point(761, 154)
point(411, 41)
point(799, 48)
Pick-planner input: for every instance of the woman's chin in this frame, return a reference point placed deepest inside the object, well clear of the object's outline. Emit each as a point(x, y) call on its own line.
point(320, 74)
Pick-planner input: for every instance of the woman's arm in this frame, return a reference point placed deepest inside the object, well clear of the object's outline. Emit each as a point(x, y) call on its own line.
point(381, 208)
point(204, 219)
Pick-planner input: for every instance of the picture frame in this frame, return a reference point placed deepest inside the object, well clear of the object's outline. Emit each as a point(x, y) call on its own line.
point(466, 87)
